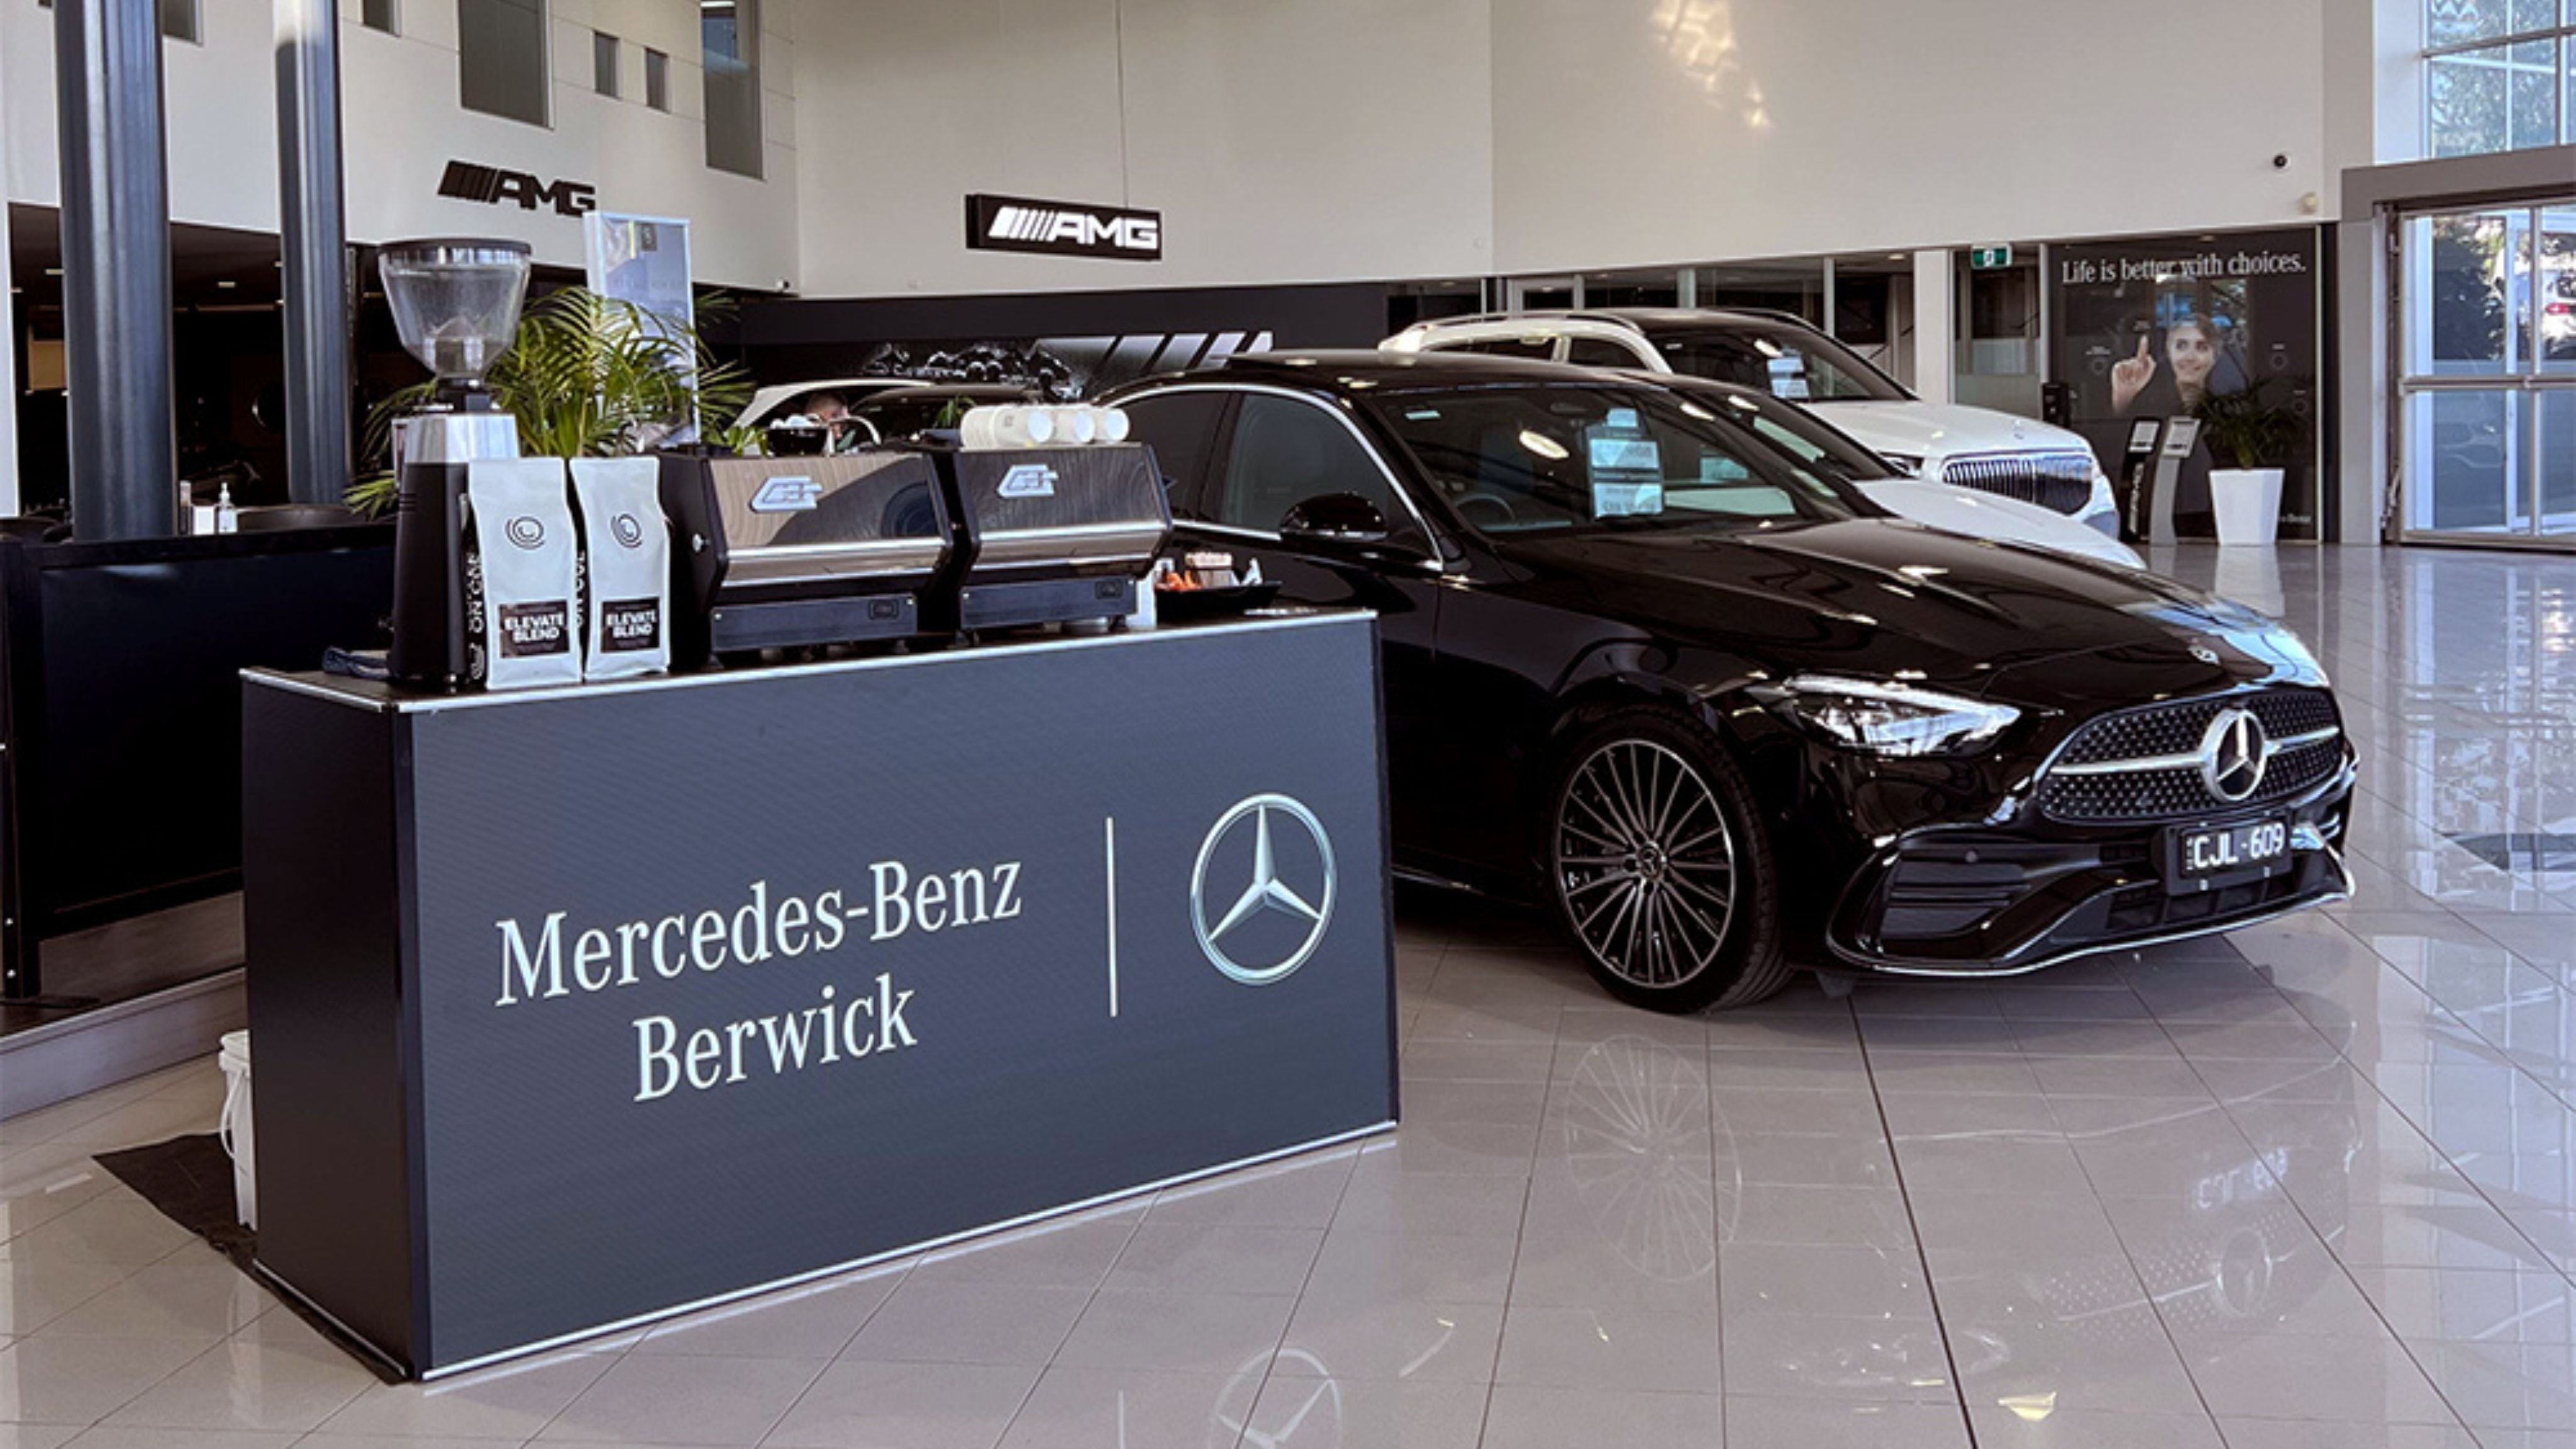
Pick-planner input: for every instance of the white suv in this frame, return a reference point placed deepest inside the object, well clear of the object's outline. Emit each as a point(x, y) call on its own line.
point(1977, 448)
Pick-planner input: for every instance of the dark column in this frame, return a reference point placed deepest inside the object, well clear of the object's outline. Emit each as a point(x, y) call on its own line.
point(116, 267)
point(314, 247)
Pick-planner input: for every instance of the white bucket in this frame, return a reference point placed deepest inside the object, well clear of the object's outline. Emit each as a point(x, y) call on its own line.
point(234, 1126)
point(2248, 504)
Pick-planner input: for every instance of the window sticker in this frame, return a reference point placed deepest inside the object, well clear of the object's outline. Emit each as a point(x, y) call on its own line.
point(1627, 467)
point(1789, 376)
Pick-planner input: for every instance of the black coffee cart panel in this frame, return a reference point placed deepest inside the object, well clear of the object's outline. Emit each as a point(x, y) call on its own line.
point(576, 1008)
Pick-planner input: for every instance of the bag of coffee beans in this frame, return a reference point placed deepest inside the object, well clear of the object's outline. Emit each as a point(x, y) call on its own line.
point(627, 547)
point(522, 574)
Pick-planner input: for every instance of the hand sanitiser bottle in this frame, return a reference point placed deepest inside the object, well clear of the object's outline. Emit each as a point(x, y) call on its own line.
point(227, 517)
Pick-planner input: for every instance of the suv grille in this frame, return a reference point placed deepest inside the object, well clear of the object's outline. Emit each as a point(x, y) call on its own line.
point(2301, 724)
point(2061, 481)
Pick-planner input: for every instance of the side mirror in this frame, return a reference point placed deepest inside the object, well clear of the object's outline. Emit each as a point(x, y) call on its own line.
point(1334, 518)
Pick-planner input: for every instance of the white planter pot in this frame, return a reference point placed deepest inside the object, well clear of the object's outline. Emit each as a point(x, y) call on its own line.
point(2248, 504)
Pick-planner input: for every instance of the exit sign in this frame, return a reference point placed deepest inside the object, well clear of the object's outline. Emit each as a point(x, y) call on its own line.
point(1988, 259)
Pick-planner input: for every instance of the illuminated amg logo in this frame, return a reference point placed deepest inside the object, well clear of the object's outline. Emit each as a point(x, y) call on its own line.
point(1063, 228)
point(1076, 228)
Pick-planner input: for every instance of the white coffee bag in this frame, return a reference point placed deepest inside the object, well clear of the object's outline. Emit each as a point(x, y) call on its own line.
point(523, 567)
point(627, 546)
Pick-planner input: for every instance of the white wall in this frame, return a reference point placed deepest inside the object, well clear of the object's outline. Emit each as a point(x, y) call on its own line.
point(1360, 139)
point(1688, 129)
point(1283, 140)
point(402, 123)
point(1324, 140)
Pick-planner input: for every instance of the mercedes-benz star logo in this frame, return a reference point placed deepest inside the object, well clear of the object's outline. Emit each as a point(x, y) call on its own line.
point(1295, 886)
point(2233, 754)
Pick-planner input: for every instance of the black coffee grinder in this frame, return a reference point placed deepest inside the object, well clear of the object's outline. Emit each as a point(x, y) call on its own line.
point(456, 305)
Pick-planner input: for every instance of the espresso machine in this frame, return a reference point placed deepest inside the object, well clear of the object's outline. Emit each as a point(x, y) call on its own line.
point(456, 305)
point(801, 552)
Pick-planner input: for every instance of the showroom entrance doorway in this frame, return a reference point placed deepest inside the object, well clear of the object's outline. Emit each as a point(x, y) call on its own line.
point(2485, 360)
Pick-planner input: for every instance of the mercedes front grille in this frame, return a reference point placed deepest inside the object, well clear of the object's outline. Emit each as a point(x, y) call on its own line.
point(2144, 765)
point(2061, 481)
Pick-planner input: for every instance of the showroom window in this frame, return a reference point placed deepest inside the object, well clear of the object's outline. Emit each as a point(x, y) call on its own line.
point(603, 64)
point(657, 79)
point(1286, 452)
point(384, 15)
point(1528, 349)
point(2499, 75)
point(730, 33)
point(501, 55)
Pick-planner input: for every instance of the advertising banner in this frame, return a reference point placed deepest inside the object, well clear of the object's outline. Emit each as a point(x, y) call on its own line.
point(2148, 328)
point(726, 982)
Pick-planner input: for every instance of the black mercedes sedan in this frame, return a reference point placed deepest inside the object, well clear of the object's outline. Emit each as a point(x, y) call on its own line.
point(1647, 657)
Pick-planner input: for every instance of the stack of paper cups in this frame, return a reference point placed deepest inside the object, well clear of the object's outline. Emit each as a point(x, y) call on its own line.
point(1010, 427)
point(1077, 424)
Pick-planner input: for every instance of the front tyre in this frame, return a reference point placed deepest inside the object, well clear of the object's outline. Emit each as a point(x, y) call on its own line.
point(1660, 868)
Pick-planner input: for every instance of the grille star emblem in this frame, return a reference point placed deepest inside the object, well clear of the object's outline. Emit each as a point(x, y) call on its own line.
point(2234, 754)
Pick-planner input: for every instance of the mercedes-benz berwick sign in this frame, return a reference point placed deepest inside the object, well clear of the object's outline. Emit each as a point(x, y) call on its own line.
point(1062, 228)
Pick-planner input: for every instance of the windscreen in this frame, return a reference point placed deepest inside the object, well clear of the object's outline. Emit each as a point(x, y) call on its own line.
point(1793, 363)
point(1792, 430)
point(1536, 458)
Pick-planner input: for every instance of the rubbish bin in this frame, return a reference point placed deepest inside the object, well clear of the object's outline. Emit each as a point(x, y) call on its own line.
point(234, 1126)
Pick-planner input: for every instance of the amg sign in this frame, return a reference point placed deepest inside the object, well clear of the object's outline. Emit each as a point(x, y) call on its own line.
point(494, 185)
point(1063, 228)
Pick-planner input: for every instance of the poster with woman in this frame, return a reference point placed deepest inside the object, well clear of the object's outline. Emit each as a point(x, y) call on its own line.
point(2151, 328)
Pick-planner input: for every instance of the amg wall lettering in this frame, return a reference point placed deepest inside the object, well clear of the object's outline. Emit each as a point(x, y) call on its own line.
point(2150, 328)
point(496, 186)
point(1062, 228)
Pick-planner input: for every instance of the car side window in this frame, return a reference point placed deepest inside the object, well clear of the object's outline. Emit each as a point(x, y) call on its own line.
point(1181, 428)
point(1600, 352)
point(1285, 452)
point(1529, 349)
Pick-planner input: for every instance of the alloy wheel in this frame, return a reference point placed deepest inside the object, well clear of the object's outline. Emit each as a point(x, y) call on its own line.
point(1645, 863)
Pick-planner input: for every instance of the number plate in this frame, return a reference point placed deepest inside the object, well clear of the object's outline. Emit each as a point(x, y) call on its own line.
point(2204, 853)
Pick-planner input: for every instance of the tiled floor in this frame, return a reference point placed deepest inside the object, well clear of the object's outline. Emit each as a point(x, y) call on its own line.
point(2311, 1185)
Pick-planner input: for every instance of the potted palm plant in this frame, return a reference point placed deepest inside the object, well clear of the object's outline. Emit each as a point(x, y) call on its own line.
point(2254, 439)
point(588, 376)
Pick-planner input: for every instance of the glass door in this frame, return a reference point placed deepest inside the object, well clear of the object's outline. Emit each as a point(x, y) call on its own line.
point(2487, 375)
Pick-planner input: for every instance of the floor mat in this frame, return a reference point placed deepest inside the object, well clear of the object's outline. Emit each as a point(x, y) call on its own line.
point(191, 1181)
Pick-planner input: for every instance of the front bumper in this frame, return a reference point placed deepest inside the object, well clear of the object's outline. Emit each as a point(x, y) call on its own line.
point(2000, 901)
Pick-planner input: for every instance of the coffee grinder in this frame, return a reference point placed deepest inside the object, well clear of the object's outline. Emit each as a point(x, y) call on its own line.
point(456, 305)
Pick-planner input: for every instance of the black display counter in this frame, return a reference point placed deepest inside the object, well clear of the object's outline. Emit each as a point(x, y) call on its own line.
point(119, 706)
point(577, 1008)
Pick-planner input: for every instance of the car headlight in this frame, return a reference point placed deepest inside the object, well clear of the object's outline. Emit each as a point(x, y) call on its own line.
point(1909, 464)
point(1895, 719)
